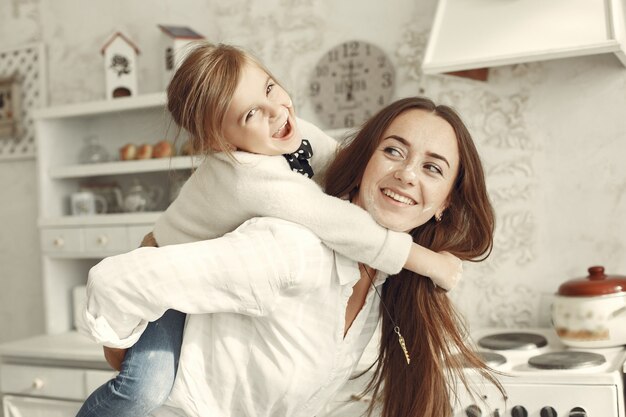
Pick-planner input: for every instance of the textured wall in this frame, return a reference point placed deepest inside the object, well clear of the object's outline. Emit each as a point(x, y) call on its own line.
point(551, 134)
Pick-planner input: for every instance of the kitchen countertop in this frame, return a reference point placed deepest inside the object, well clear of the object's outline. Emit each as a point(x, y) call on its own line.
point(67, 349)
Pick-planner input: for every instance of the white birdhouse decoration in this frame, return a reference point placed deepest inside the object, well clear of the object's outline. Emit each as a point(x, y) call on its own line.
point(120, 66)
point(174, 40)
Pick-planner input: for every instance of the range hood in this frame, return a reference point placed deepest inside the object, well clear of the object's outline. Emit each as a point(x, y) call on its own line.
point(472, 34)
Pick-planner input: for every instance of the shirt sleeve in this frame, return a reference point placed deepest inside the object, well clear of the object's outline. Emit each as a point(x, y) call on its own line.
point(243, 272)
point(342, 226)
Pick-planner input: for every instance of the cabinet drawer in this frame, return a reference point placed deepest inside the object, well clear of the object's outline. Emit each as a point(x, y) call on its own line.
point(105, 239)
point(43, 381)
point(57, 240)
point(38, 407)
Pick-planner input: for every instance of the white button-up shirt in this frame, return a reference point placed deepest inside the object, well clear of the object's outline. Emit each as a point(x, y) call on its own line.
point(274, 342)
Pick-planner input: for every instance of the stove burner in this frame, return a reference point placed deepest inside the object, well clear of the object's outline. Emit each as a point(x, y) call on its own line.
point(566, 360)
point(513, 341)
point(491, 359)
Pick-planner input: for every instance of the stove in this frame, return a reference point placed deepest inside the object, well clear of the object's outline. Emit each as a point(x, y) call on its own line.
point(544, 378)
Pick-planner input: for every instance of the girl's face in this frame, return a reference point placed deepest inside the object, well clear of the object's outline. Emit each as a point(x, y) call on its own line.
point(260, 118)
point(410, 175)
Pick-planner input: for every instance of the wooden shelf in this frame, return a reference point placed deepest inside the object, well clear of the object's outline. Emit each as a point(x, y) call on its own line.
point(123, 167)
point(149, 217)
point(145, 101)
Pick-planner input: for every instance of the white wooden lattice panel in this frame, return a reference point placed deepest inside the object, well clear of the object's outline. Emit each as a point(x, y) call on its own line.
point(28, 64)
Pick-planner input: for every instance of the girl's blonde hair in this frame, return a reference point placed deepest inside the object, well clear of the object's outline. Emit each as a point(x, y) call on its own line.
point(201, 90)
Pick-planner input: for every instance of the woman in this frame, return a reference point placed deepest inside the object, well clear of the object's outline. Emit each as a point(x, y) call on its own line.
point(432, 330)
point(289, 318)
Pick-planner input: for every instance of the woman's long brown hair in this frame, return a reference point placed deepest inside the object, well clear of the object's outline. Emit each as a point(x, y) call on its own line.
point(434, 332)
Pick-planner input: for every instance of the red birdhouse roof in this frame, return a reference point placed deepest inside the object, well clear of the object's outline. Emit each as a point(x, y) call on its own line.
point(121, 35)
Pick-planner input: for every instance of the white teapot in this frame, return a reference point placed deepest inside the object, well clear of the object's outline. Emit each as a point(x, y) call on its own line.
point(139, 198)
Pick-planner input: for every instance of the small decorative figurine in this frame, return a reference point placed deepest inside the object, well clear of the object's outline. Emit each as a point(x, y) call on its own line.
point(174, 40)
point(120, 66)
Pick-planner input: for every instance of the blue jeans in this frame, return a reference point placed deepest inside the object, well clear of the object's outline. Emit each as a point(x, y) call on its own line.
point(147, 373)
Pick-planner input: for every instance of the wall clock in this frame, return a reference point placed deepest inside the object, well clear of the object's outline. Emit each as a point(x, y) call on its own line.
point(350, 83)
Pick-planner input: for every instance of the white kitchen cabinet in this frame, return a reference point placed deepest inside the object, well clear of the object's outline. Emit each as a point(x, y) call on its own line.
point(51, 375)
point(72, 244)
point(472, 34)
point(38, 407)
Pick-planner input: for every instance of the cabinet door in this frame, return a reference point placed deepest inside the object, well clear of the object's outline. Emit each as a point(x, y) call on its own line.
point(38, 407)
point(472, 34)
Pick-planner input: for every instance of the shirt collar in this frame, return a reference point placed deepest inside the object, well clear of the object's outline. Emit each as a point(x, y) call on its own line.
point(348, 271)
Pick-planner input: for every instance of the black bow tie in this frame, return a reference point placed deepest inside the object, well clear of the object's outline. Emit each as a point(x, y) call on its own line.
point(298, 161)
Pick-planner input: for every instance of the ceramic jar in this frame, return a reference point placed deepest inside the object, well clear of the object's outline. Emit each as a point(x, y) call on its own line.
point(590, 312)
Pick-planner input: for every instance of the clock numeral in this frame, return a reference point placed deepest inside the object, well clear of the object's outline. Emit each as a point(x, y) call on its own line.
point(333, 56)
point(381, 61)
point(319, 108)
point(387, 80)
point(351, 49)
point(314, 88)
point(331, 118)
point(381, 100)
point(322, 70)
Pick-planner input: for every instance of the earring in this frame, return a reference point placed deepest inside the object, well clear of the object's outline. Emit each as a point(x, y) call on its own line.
point(438, 217)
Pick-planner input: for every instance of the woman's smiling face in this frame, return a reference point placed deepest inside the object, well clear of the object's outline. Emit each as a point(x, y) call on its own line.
point(410, 175)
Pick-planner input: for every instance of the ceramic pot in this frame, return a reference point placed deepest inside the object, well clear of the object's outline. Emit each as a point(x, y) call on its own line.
point(590, 312)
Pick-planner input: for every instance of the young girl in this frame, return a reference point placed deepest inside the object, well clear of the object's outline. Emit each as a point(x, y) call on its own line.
point(255, 165)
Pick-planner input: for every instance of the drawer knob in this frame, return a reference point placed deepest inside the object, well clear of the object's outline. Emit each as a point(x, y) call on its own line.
point(58, 242)
point(37, 383)
point(102, 240)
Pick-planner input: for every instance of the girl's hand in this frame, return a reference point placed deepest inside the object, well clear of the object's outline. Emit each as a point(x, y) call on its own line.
point(149, 240)
point(446, 271)
point(443, 268)
point(114, 357)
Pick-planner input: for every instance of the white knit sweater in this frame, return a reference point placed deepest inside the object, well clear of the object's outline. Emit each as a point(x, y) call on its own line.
point(222, 194)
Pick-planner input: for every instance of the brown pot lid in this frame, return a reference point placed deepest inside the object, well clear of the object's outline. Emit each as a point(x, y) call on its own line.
point(597, 283)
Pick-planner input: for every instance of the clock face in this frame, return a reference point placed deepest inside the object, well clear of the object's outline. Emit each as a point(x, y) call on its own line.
point(350, 84)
